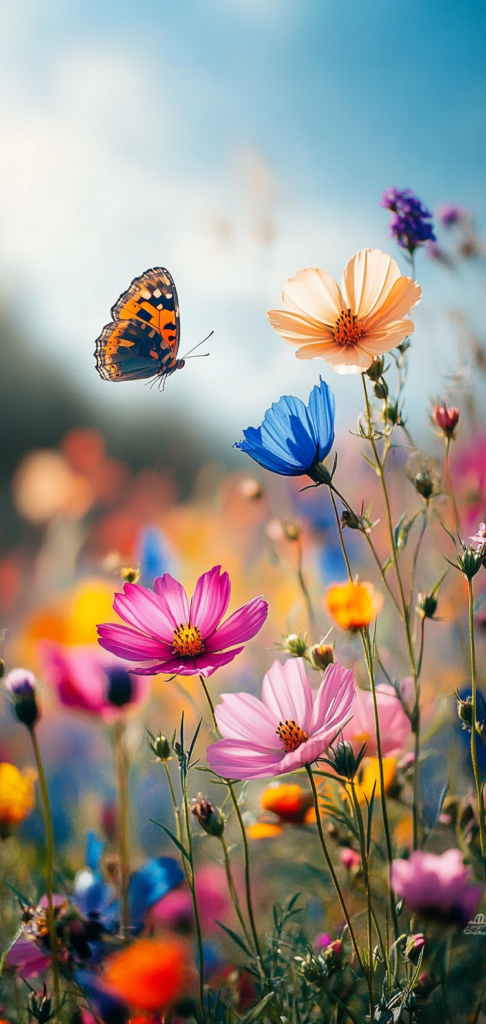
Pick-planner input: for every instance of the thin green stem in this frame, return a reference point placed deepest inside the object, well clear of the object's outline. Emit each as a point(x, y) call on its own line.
point(210, 703)
point(365, 636)
point(123, 773)
point(46, 807)
point(303, 586)
point(341, 538)
point(474, 757)
point(416, 554)
point(177, 815)
point(232, 888)
point(246, 856)
point(333, 873)
point(369, 903)
point(447, 468)
point(192, 886)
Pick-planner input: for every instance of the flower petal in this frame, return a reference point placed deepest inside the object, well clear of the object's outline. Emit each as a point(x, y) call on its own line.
point(127, 643)
point(241, 716)
point(314, 293)
point(295, 328)
point(241, 626)
point(210, 600)
point(379, 341)
point(403, 296)
point(321, 414)
point(367, 280)
point(201, 665)
point(334, 700)
point(173, 599)
point(141, 608)
point(233, 759)
point(287, 692)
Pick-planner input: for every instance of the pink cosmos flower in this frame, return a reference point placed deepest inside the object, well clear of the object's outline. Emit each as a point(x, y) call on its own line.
point(287, 728)
point(27, 959)
point(87, 679)
point(395, 728)
point(439, 887)
point(479, 538)
point(174, 637)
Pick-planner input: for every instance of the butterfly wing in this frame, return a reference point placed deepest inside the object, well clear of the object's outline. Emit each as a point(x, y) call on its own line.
point(143, 340)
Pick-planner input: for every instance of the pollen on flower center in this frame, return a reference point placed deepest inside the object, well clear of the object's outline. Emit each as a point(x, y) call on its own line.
point(187, 640)
point(347, 329)
point(291, 734)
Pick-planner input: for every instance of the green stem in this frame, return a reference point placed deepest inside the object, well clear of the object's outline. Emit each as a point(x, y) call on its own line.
point(333, 873)
point(366, 874)
point(416, 554)
point(192, 886)
point(123, 774)
point(303, 586)
point(232, 889)
point(177, 815)
point(447, 468)
point(46, 806)
point(249, 900)
point(210, 703)
point(474, 758)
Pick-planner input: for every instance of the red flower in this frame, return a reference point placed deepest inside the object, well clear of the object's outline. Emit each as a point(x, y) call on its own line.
point(446, 419)
point(149, 975)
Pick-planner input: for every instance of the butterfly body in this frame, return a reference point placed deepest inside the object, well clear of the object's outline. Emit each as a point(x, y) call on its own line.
point(142, 341)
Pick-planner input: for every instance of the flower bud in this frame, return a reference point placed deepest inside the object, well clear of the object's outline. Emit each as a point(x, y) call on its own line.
point(292, 530)
point(470, 562)
point(426, 606)
point(343, 759)
point(375, 371)
point(414, 946)
point(250, 489)
point(350, 859)
point(295, 645)
point(129, 574)
point(40, 1007)
point(424, 484)
point(351, 520)
point(465, 711)
point(209, 817)
point(22, 685)
point(446, 419)
point(2, 668)
point(393, 412)
point(120, 686)
point(381, 389)
point(321, 655)
point(161, 747)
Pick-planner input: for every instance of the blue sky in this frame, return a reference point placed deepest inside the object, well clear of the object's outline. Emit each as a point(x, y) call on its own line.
point(234, 141)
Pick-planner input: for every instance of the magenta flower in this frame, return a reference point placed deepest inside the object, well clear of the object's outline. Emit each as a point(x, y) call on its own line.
point(87, 679)
point(395, 728)
point(287, 728)
point(438, 887)
point(175, 638)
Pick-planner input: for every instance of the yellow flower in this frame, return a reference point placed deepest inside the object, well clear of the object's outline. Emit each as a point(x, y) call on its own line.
point(17, 797)
point(353, 605)
point(263, 830)
point(370, 776)
point(349, 325)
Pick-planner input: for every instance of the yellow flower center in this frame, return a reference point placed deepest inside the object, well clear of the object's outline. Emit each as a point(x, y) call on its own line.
point(291, 734)
point(187, 640)
point(347, 329)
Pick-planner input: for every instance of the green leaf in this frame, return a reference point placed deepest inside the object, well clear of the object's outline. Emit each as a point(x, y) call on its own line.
point(236, 938)
point(173, 837)
point(194, 738)
point(257, 1010)
point(370, 462)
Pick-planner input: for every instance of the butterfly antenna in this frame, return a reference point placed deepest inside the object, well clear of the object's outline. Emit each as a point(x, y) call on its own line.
point(198, 345)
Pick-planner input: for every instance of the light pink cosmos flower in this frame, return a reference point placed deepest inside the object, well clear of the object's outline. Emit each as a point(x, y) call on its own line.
point(479, 538)
point(174, 637)
point(287, 728)
point(439, 887)
point(395, 728)
point(91, 680)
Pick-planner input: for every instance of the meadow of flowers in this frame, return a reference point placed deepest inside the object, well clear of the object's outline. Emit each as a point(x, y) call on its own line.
point(242, 735)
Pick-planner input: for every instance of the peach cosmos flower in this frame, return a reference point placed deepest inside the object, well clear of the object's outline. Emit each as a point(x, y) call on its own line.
point(349, 325)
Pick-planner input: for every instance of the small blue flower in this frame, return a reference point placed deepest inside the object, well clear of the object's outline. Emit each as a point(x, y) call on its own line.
point(294, 438)
point(411, 224)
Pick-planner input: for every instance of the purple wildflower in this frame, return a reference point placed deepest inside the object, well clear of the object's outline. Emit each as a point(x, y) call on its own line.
point(450, 214)
point(411, 224)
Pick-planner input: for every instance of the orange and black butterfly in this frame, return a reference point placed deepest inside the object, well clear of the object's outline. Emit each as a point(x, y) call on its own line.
point(143, 340)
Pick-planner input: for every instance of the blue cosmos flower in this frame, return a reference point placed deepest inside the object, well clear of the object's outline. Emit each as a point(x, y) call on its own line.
point(294, 438)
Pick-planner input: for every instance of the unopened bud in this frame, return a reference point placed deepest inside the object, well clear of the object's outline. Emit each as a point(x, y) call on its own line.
point(446, 419)
point(41, 1007)
point(209, 817)
point(414, 946)
point(375, 371)
point(250, 489)
point(343, 759)
point(470, 561)
point(2, 668)
point(295, 645)
point(161, 747)
point(120, 686)
point(22, 685)
point(381, 389)
point(130, 575)
point(393, 413)
point(424, 484)
point(465, 711)
point(351, 520)
point(322, 655)
point(426, 606)
point(292, 530)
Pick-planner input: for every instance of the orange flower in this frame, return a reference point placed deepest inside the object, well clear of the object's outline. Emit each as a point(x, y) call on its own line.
point(371, 776)
point(149, 975)
point(353, 605)
point(288, 800)
point(263, 830)
point(349, 325)
point(17, 797)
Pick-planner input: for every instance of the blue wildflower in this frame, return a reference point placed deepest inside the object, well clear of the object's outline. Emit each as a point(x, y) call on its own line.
point(411, 224)
point(294, 438)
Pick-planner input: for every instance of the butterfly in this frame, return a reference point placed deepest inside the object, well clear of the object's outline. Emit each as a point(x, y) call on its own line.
point(143, 339)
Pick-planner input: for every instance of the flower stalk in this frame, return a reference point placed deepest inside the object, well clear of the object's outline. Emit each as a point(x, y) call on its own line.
point(474, 756)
